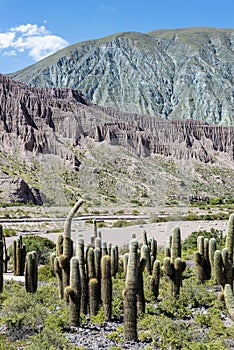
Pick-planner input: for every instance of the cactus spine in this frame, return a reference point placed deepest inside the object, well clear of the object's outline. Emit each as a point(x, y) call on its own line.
point(106, 286)
point(173, 266)
point(31, 272)
point(130, 294)
point(74, 293)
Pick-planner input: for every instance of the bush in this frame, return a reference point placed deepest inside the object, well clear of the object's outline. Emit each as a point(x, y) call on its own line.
point(42, 245)
point(190, 243)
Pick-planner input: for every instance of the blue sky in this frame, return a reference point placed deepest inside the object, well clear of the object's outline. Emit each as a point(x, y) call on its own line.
point(31, 30)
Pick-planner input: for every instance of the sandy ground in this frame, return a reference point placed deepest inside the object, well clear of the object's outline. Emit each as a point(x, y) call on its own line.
point(122, 236)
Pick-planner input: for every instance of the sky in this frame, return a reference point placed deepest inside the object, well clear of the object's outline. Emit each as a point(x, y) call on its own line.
point(32, 30)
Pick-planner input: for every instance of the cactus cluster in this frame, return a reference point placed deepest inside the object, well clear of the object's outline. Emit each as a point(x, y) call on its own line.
point(173, 265)
point(202, 258)
point(223, 260)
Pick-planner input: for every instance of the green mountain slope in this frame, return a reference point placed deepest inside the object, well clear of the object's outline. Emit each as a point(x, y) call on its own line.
point(177, 74)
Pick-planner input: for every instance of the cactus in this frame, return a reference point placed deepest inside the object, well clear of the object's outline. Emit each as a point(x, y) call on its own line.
point(58, 273)
point(144, 238)
point(95, 228)
point(153, 251)
point(173, 266)
point(114, 261)
point(145, 254)
point(1, 265)
point(31, 272)
point(64, 258)
point(201, 258)
point(106, 286)
point(93, 296)
point(6, 257)
point(59, 245)
point(229, 300)
point(130, 294)
point(223, 261)
point(83, 279)
point(19, 255)
point(154, 280)
point(104, 250)
point(98, 243)
point(212, 249)
point(109, 247)
point(140, 292)
point(73, 291)
point(90, 264)
point(125, 263)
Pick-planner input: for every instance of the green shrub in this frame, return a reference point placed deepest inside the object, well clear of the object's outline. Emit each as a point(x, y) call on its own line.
point(190, 242)
point(42, 245)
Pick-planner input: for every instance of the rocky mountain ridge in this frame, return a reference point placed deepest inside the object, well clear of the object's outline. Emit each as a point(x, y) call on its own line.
point(44, 121)
point(177, 74)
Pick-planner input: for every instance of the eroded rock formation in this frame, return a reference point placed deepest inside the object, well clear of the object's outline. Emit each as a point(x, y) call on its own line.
point(52, 121)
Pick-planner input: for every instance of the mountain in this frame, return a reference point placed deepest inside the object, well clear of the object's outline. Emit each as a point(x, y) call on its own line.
point(55, 144)
point(177, 74)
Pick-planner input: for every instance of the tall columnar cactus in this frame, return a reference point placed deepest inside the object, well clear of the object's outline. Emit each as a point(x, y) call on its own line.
point(19, 255)
point(90, 263)
point(98, 243)
point(58, 274)
point(125, 263)
point(201, 258)
point(73, 291)
point(114, 261)
point(106, 286)
point(223, 261)
point(144, 238)
point(109, 247)
point(95, 233)
point(83, 279)
point(145, 254)
point(140, 292)
point(153, 250)
point(64, 258)
point(130, 294)
point(93, 296)
point(212, 249)
point(173, 266)
point(31, 272)
point(154, 280)
point(104, 250)
point(6, 257)
point(229, 299)
point(1, 265)
point(59, 245)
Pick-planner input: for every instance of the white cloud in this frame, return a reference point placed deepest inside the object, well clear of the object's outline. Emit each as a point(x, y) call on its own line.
point(34, 40)
point(9, 53)
point(6, 40)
